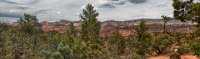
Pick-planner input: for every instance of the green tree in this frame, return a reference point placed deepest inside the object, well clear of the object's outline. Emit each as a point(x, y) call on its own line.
point(142, 39)
point(142, 30)
point(4, 26)
point(195, 46)
point(161, 44)
point(72, 30)
point(90, 25)
point(182, 9)
point(74, 43)
point(187, 10)
point(65, 51)
point(184, 49)
point(56, 55)
point(196, 16)
point(195, 13)
point(45, 54)
point(117, 44)
point(90, 32)
point(166, 19)
point(71, 34)
point(29, 25)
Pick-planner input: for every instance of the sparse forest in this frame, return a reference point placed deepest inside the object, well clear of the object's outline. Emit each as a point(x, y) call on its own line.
point(26, 40)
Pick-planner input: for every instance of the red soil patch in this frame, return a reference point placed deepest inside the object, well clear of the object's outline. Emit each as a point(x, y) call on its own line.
point(168, 57)
point(189, 57)
point(159, 57)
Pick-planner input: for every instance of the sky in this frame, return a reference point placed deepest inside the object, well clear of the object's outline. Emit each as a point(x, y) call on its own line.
point(54, 10)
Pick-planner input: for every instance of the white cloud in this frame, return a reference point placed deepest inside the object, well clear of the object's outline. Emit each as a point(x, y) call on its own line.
point(51, 10)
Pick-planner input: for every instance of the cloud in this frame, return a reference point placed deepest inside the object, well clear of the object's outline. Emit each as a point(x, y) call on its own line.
point(20, 2)
point(51, 10)
point(11, 15)
point(113, 3)
point(137, 1)
point(106, 6)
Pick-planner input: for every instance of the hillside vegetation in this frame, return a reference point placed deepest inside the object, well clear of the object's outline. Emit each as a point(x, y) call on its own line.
point(27, 40)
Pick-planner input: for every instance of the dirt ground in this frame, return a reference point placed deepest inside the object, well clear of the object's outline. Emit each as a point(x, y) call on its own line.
point(168, 57)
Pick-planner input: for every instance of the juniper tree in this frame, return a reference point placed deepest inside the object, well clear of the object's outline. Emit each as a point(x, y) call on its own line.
point(161, 44)
point(182, 9)
point(196, 16)
point(142, 30)
point(117, 44)
point(143, 39)
point(195, 13)
point(187, 10)
point(166, 19)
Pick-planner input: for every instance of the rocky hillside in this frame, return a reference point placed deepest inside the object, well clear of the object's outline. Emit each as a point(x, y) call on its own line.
point(126, 28)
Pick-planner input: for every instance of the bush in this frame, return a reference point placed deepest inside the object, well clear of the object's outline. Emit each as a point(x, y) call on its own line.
point(183, 49)
point(161, 44)
point(45, 54)
point(56, 55)
point(196, 47)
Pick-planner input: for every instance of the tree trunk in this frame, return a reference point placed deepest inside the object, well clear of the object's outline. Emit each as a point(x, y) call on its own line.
point(164, 29)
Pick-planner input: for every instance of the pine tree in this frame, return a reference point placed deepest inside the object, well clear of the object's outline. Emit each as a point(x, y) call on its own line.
point(90, 26)
point(29, 24)
point(71, 35)
point(72, 30)
point(90, 32)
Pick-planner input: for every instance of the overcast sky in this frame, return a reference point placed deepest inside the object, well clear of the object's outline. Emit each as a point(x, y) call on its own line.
point(52, 10)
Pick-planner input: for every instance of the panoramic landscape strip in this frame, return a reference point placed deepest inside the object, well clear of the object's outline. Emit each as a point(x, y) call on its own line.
point(176, 37)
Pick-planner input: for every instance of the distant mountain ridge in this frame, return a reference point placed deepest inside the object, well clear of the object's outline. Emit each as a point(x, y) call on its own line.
point(149, 19)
